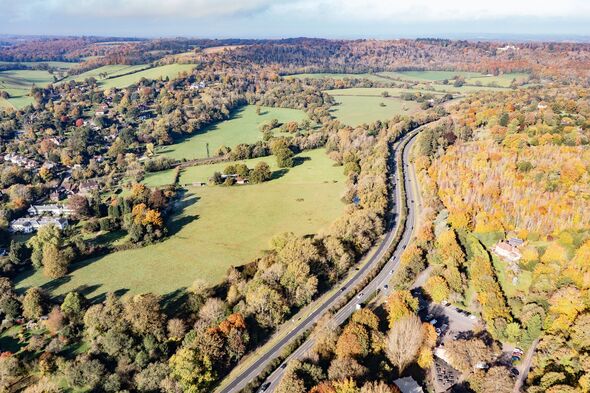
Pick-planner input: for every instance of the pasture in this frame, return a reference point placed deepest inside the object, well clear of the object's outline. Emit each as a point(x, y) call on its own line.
point(242, 127)
point(471, 78)
point(121, 76)
point(214, 228)
point(18, 84)
point(355, 110)
point(430, 76)
point(371, 77)
point(170, 71)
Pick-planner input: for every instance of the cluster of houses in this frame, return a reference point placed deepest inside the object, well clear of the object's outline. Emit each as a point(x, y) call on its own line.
point(41, 215)
point(20, 160)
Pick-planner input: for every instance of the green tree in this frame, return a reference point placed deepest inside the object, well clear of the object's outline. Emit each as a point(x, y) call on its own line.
point(33, 303)
point(260, 173)
point(72, 306)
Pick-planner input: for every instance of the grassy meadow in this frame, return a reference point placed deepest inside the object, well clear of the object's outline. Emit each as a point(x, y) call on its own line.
point(125, 75)
point(215, 227)
point(18, 84)
point(372, 77)
point(242, 127)
point(356, 109)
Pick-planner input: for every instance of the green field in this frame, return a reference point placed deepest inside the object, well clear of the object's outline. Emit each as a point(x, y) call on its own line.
point(428, 75)
point(241, 128)
point(170, 71)
point(372, 77)
point(355, 110)
point(377, 91)
point(18, 84)
point(63, 65)
point(120, 75)
point(201, 173)
point(109, 70)
point(503, 80)
point(471, 78)
point(217, 228)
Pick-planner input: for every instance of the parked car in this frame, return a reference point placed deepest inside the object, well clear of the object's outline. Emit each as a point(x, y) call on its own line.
point(433, 322)
point(515, 358)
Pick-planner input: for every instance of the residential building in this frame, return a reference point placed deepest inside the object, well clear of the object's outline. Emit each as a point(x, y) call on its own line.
point(507, 251)
point(31, 224)
point(53, 209)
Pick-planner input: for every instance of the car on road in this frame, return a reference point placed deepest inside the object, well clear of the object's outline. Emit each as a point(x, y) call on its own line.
point(264, 387)
point(360, 295)
point(342, 289)
point(391, 271)
point(283, 365)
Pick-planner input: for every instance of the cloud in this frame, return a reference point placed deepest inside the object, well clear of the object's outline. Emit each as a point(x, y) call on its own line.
point(367, 10)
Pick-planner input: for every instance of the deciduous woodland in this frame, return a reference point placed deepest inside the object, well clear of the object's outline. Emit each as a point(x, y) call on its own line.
point(499, 263)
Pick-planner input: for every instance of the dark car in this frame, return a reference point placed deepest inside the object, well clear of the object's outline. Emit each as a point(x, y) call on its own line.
point(264, 387)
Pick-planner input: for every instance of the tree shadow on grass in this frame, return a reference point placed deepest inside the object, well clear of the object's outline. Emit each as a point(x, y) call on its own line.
point(279, 173)
point(173, 302)
point(56, 283)
point(300, 160)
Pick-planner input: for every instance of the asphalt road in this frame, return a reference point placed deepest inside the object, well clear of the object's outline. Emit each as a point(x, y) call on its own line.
point(378, 283)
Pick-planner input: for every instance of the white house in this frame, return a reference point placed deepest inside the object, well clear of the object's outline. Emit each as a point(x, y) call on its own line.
point(507, 251)
point(53, 209)
point(31, 224)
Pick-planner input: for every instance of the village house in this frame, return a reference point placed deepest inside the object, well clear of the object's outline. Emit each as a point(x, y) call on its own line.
point(87, 187)
point(57, 195)
point(52, 209)
point(31, 224)
point(507, 251)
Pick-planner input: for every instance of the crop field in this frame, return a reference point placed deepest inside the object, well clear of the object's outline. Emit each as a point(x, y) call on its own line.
point(18, 84)
point(216, 227)
point(243, 127)
point(355, 110)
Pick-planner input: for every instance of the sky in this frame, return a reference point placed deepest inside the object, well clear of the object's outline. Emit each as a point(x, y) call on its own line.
point(296, 18)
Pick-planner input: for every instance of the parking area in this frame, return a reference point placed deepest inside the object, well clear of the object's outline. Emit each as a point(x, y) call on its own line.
point(446, 318)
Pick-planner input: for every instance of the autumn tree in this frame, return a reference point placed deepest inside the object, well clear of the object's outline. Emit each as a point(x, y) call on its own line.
point(404, 341)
